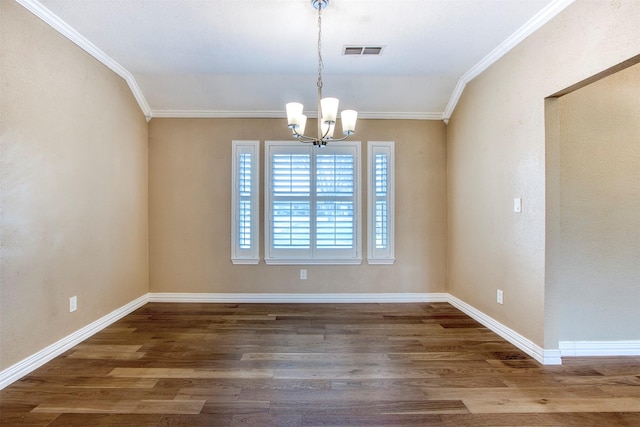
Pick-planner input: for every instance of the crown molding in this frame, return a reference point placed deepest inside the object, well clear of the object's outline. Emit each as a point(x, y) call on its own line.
point(63, 28)
point(230, 114)
point(453, 101)
point(217, 114)
point(401, 116)
point(532, 25)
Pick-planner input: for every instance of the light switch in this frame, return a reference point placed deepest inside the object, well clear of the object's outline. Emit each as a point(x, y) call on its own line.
point(517, 205)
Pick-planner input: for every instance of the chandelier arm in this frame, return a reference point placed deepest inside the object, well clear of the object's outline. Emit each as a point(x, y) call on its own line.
point(339, 139)
point(324, 135)
point(304, 138)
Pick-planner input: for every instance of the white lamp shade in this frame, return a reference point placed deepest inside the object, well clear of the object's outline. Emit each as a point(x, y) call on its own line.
point(329, 108)
point(331, 126)
point(349, 118)
point(303, 123)
point(294, 114)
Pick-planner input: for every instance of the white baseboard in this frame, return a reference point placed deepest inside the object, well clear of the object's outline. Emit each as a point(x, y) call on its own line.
point(599, 348)
point(299, 298)
point(544, 356)
point(33, 362)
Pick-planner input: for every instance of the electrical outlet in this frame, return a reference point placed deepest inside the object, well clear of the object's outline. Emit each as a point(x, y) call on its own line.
point(303, 274)
point(73, 304)
point(499, 297)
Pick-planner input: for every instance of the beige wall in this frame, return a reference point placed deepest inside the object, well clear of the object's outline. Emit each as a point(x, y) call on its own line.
point(599, 222)
point(73, 188)
point(189, 203)
point(496, 152)
point(73, 177)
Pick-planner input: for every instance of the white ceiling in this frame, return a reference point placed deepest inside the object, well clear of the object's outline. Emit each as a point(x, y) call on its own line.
point(247, 58)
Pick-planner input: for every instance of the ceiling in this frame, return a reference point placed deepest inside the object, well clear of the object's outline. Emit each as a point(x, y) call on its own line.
point(247, 58)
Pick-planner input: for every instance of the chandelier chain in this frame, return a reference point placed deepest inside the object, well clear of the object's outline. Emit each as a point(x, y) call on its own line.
point(320, 63)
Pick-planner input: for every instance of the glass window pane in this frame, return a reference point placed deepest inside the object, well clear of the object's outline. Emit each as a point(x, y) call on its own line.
point(381, 224)
point(291, 174)
point(334, 174)
point(291, 225)
point(335, 225)
point(245, 174)
point(244, 225)
point(381, 175)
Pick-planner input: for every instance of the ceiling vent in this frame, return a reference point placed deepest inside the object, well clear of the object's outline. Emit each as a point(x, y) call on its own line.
point(363, 50)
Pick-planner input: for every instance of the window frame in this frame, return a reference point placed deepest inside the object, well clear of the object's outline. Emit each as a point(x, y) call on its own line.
point(240, 255)
point(377, 255)
point(313, 255)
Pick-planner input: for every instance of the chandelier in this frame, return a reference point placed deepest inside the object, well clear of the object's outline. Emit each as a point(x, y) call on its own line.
point(327, 107)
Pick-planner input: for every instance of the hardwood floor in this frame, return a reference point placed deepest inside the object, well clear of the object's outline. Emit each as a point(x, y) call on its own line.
point(316, 365)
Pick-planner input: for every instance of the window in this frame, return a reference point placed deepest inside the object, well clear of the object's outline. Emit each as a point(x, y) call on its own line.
point(312, 203)
point(244, 202)
point(380, 207)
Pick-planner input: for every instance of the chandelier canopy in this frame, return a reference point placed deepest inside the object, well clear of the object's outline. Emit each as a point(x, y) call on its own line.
point(327, 107)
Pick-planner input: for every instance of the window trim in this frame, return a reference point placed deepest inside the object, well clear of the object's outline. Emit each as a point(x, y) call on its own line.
point(380, 255)
point(272, 258)
point(240, 255)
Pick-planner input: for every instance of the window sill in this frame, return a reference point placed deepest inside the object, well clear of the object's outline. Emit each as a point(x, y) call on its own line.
point(381, 261)
point(247, 261)
point(313, 261)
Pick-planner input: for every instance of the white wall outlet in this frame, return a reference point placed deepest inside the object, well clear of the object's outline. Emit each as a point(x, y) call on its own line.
point(499, 298)
point(303, 274)
point(517, 204)
point(73, 304)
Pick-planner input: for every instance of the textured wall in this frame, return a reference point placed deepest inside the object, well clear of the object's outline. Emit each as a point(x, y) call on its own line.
point(496, 152)
point(189, 203)
point(73, 177)
point(599, 266)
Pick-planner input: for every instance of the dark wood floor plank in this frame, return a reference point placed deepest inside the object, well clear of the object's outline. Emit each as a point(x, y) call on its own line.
point(315, 365)
point(266, 420)
point(113, 420)
point(292, 398)
point(378, 420)
point(477, 382)
point(570, 419)
point(22, 417)
point(371, 407)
